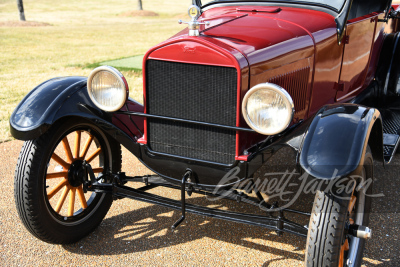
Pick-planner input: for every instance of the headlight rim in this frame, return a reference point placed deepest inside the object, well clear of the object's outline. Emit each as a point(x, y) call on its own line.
point(278, 89)
point(116, 73)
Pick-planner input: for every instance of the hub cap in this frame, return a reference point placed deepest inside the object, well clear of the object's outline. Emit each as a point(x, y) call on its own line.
point(76, 173)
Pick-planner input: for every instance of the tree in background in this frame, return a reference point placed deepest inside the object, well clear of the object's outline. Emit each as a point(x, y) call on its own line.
point(21, 10)
point(140, 7)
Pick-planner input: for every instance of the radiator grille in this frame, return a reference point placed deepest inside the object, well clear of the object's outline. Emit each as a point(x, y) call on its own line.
point(192, 92)
point(192, 141)
point(296, 84)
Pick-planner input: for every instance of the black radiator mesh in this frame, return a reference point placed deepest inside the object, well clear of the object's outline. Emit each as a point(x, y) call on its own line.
point(192, 141)
point(192, 92)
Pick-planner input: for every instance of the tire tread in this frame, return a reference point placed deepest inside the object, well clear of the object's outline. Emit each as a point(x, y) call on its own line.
point(323, 242)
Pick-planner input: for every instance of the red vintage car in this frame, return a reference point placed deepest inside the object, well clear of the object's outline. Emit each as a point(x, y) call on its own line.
point(243, 81)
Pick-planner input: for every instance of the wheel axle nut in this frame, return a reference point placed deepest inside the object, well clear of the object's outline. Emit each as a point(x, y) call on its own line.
point(360, 231)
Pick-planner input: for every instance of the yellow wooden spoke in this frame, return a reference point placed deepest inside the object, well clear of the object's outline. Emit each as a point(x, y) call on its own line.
point(71, 202)
point(86, 147)
point(343, 248)
point(67, 149)
point(77, 144)
point(60, 202)
point(57, 175)
point(82, 198)
point(94, 155)
point(60, 161)
point(352, 203)
point(97, 170)
point(57, 188)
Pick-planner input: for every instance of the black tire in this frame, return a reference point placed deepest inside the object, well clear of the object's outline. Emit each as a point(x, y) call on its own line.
point(33, 178)
point(327, 234)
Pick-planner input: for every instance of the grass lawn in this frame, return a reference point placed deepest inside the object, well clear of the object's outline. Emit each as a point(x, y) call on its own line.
point(81, 33)
point(128, 63)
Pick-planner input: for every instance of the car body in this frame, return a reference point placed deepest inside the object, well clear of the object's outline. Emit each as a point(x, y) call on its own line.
point(332, 62)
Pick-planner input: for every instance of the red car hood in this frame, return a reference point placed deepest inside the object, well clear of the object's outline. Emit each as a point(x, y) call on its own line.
point(267, 36)
point(270, 31)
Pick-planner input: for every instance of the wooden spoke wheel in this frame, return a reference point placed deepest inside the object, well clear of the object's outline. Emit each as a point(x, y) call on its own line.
point(49, 181)
point(64, 176)
point(328, 242)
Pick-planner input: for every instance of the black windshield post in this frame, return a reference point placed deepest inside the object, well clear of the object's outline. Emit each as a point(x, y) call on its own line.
point(341, 20)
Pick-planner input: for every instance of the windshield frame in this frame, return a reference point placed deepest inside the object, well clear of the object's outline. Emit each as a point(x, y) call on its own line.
point(303, 3)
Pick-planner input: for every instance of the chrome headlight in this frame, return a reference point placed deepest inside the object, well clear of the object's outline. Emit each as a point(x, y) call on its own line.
point(107, 88)
point(268, 109)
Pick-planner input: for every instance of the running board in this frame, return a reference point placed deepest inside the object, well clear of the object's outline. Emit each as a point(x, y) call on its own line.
point(391, 131)
point(390, 145)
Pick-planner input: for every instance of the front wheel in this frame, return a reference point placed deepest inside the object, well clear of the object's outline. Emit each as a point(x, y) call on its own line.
point(48, 181)
point(328, 241)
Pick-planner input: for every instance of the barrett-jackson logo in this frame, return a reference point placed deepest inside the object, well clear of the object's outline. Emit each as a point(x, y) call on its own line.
point(188, 49)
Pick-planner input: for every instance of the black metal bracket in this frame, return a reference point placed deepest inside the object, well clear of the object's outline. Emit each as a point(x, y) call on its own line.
point(392, 14)
point(140, 114)
point(87, 169)
point(186, 176)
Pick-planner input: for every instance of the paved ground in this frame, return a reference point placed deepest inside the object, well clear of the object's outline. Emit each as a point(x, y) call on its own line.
point(135, 233)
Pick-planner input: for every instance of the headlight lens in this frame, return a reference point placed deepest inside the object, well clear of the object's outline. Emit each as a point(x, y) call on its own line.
point(268, 109)
point(107, 88)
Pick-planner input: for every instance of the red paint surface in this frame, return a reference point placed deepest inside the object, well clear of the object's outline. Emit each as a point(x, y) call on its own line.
point(356, 58)
point(192, 52)
point(125, 123)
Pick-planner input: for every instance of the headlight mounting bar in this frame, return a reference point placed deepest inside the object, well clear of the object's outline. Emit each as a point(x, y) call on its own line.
point(184, 120)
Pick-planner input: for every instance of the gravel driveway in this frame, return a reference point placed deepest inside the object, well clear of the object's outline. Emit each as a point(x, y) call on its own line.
point(136, 234)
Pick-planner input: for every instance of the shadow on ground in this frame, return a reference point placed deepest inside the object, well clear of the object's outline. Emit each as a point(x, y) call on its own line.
point(149, 228)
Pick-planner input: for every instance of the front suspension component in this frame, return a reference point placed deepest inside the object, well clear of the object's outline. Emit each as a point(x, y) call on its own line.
point(186, 176)
point(116, 187)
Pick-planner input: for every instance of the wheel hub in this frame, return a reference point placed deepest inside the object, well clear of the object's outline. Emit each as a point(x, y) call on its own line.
point(76, 173)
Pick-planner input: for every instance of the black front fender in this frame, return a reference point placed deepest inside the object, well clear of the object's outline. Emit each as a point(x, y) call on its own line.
point(36, 112)
point(338, 136)
point(67, 97)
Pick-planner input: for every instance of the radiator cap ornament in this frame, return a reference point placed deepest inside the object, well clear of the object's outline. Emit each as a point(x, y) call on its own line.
point(194, 25)
point(194, 12)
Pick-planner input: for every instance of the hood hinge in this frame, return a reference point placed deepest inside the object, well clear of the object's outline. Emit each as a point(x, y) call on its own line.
point(339, 87)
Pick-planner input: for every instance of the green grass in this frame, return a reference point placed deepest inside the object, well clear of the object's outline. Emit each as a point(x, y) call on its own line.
point(128, 63)
point(82, 33)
